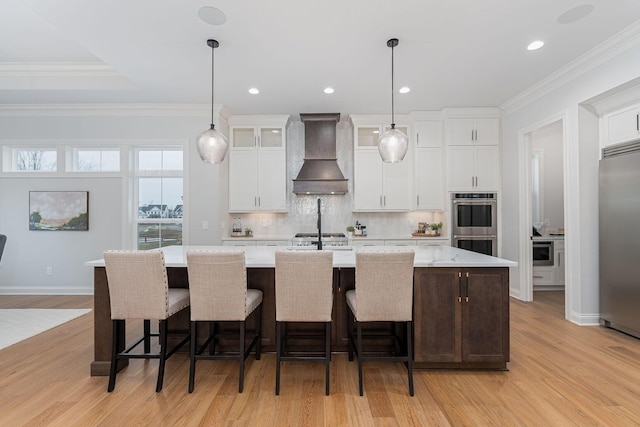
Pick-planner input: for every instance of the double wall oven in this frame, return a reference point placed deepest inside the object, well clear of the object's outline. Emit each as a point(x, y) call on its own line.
point(474, 222)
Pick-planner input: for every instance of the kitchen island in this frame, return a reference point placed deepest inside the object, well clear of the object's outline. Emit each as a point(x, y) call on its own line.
point(461, 304)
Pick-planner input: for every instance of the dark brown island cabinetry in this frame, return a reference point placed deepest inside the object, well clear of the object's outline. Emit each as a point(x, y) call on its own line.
point(461, 318)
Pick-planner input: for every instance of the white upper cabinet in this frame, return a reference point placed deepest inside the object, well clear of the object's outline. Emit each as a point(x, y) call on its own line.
point(471, 131)
point(379, 186)
point(429, 165)
point(258, 164)
point(473, 168)
point(473, 150)
point(621, 126)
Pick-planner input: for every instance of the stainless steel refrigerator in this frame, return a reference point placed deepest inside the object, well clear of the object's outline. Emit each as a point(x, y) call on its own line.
point(620, 238)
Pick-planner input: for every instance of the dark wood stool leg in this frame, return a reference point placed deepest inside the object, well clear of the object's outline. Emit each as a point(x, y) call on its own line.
point(241, 356)
point(114, 354)
point(359, 351)
point(147, 335)
point(259, 332)
point(278, 355)
point(410, 355)
point(163, 353)
point(192, 355)
point(327, 356)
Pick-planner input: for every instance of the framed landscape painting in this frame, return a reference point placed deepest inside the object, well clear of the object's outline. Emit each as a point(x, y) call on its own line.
point(59, 210)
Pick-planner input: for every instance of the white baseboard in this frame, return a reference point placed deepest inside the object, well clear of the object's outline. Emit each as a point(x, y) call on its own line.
point(45, 290)
point(585, 319)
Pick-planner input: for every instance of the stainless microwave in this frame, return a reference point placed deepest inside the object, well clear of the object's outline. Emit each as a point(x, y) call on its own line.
point(542, 253)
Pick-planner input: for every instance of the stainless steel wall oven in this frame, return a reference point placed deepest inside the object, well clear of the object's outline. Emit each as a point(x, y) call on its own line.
point(474, 222)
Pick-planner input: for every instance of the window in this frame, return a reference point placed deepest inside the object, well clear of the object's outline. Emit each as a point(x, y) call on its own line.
point(159, 189)
point(34, 160)
point(96, 160)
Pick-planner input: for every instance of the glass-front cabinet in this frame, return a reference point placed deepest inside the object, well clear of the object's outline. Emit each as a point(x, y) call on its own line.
point(379, 186)
point(258, 164)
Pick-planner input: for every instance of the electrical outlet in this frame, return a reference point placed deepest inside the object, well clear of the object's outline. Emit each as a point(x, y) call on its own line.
point(205, 224)
point(49, 270)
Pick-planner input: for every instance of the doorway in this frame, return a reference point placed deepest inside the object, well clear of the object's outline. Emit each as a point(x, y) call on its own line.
point(547, 208)
point(554, 129)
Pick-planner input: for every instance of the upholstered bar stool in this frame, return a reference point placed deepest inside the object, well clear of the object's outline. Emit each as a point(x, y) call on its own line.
point(218, 287)
point(383, 293)
point(138, 289)
point(304, 293)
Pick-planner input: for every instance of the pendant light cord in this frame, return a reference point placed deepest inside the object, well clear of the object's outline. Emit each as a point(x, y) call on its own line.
point(393, 121)
point(212, 86)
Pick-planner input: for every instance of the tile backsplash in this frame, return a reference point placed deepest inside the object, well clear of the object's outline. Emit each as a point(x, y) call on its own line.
point(337, 210)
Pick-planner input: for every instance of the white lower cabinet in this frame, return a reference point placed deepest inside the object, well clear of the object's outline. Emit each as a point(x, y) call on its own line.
point(432, 241)
point(559, 262)
point(365, 241)
point(551, 277)
point(238, 243)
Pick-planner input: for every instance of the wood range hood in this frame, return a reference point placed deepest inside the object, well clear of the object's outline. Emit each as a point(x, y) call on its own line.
point(320, 173)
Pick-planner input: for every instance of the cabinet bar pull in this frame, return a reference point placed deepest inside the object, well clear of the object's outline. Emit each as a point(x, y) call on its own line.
point(538, 277)
point(472, 134)
point(417, 200)
point(384, 198)
point(459, 287)
point(417, 139)
point(258, 200)
point(466, 292)
point(638, 122)
point(255, 201)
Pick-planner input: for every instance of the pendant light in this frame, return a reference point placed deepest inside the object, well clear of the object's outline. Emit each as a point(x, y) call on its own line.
point(393, 143)
point(212, 145)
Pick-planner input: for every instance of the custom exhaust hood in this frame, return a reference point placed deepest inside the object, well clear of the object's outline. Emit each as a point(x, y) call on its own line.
point(320, 173)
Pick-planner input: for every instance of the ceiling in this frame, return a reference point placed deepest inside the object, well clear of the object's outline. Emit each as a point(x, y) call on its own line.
point(453, 53)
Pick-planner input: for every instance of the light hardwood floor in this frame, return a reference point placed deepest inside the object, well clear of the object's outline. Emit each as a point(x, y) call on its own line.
point(560, 374)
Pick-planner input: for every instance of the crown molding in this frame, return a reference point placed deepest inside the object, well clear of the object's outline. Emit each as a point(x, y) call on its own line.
point(56, 69)
point(110, 110)
point(614, 46)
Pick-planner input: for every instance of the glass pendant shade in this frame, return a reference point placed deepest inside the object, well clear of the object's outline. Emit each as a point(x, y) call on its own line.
point(393, 146)
point(212, 146)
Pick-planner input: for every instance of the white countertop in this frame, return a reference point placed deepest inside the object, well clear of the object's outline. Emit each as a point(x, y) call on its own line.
point(264, 256)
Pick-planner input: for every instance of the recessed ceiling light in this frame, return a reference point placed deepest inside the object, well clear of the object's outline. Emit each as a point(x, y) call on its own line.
point(275, 131)
point(328, 90)
point(404, 89)
point(375, 131)
point(535, 45)
point(212, 15)
point(575, 14)
point(254, 91)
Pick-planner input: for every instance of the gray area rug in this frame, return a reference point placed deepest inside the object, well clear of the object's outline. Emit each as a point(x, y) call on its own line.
point(21, 323)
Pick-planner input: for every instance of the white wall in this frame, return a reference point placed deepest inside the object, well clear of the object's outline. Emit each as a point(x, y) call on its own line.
point(549, 142)
point(28, 253)
point(581, 175)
